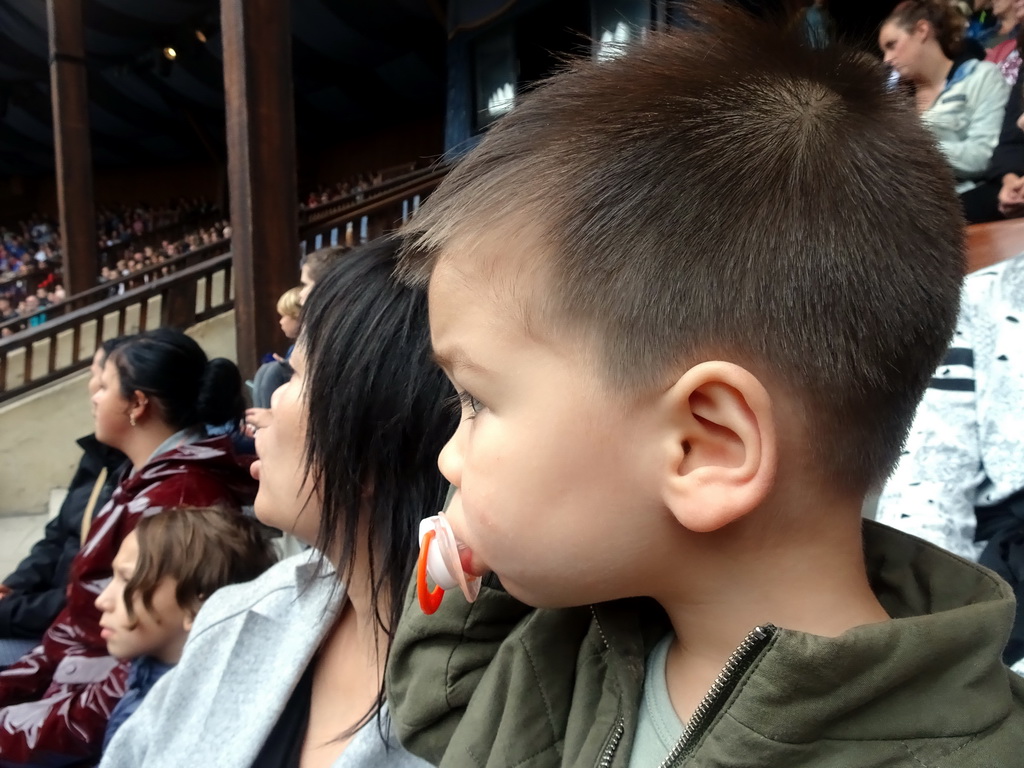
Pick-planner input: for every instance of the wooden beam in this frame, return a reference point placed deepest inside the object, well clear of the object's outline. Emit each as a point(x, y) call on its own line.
point(261, 168)
point(71, 143)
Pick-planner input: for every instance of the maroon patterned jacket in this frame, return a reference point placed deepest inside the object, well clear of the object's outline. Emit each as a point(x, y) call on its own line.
point(55, 702)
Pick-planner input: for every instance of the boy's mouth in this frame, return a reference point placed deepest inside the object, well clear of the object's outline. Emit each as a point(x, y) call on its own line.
point(469, 563)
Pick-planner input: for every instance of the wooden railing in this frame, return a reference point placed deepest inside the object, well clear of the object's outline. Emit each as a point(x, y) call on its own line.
point(117, 287)
point(199, 285)
point(37, 356)
point(996, 241)
point(309, 217)
point(316, 225)
point(389, 207)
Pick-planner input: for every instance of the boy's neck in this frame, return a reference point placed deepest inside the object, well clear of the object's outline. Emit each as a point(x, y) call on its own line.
point(816, 582)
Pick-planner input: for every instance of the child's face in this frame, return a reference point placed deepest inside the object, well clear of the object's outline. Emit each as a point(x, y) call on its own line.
point(557, 477)
point(160, 632)
point(290, 326)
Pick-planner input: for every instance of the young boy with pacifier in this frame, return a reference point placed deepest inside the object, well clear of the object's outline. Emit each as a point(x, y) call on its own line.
point(164, 571)
point(690, 298)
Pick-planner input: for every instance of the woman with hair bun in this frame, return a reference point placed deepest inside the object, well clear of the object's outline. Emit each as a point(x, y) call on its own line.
point(960, 99)
point(157, 393)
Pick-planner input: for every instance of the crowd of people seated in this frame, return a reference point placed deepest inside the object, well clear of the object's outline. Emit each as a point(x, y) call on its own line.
point(354, 185)
point(153, 255)
point(33, 244)
point(120, 224)
point(595, 499)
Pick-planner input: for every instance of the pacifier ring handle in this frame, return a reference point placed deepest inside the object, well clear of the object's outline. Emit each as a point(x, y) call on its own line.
point(430, 601)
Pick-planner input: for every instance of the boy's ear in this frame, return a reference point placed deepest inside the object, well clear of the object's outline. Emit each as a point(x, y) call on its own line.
point(190, 615)
point(722, 450)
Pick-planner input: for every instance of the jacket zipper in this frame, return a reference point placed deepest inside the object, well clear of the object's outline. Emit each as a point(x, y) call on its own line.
point(613, 744)
point(620, 724)
point(736, 666)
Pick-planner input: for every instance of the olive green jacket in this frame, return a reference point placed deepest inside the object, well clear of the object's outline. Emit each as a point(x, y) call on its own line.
point(498, 684)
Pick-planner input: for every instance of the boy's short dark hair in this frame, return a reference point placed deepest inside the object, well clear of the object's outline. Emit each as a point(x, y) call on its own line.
point(317, 262)
point(201, 548)
point(725, 191)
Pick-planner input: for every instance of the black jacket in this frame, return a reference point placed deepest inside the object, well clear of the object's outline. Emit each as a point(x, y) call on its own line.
point(40, 580)
point(1008, 156)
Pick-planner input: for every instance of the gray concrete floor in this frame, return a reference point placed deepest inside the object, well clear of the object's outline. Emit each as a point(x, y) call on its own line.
point(18, 534)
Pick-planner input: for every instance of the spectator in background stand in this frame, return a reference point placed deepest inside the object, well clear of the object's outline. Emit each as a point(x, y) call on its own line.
point(960, 99)
point(33, 595)
point(32, 306)
point(1001, 27)
point(819, 28)
point(997, 195)
point(1011, 196)
point(157, 392)
point(982, 24)
point(315, 265)
point(313, 268)
point(290, 310)
point(276, 372)
point(1000, 52)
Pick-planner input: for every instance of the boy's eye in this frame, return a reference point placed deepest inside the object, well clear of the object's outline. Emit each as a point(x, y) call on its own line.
point(469, 403)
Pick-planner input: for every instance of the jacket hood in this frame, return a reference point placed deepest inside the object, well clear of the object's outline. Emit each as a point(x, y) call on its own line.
point(214, 455)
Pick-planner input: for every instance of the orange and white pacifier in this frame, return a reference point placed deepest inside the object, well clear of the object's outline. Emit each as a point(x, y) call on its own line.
point(439, 560)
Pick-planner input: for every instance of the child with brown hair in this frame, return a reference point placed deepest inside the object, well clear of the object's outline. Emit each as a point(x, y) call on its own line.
point(163, 573)
point(690, 298)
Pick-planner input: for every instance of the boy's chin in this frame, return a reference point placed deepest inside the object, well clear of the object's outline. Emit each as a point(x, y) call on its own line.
point(540, 596)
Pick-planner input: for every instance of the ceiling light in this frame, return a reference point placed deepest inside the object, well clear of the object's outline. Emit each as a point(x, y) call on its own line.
point(170, 53)
point(200, 36)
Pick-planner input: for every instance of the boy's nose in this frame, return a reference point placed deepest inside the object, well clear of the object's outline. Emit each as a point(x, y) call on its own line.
point(449, 461)
point(101, 600)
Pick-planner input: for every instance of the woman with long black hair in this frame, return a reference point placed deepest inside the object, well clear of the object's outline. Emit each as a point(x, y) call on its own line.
point(288, 670)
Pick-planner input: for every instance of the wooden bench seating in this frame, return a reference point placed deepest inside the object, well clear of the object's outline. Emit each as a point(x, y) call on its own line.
point(996, 241)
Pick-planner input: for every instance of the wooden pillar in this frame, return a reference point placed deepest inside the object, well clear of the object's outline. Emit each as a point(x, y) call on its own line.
point(71, 143)
point(261, 168)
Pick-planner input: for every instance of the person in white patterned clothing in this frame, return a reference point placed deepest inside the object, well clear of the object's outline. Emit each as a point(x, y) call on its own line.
point(960, 480)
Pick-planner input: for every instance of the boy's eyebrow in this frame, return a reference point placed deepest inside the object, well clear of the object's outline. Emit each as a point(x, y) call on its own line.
point(454, 358)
